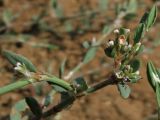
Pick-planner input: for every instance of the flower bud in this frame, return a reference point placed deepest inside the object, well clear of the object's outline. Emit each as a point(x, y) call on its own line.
point(137, 46)
point(110, 43)
point(116, 31)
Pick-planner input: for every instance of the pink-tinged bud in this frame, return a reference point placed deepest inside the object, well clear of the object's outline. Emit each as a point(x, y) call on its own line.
point(122, 40)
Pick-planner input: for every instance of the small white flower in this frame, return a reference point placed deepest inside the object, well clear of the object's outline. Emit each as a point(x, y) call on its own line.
point(18, 66)
point(22, 69)
point(137, 72)
point(116, 31)
point(119, 74)
point(110, 43)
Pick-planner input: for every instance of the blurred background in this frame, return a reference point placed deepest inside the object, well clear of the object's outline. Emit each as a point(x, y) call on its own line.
point(48, 32)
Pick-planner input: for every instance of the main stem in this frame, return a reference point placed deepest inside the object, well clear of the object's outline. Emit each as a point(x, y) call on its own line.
point(14, 86)
point(59, 107)
point(21, 83)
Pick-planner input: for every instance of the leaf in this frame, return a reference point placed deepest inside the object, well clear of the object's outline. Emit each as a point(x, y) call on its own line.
point(62, 67)
point(58, 88)
point(81, 84)
point(49, 98)
point(103, 4)
point(107, 29)
point(86, 44)
point(7, 17)
point(151, 17)
point(34, 106)
point(132, 6)
point(13, 58)
point(138, 33)
point(158, 94)
point(90, 55)
point(135, 64)
point(19, 107)
point(124, 90)
point(151, 74)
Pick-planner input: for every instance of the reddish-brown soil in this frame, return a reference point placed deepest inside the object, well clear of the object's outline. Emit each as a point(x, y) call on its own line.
point(105, 104)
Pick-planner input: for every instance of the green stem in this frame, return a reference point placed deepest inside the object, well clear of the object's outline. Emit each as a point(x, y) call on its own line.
point(22, 83)
point(14, 86)
point(59, 82)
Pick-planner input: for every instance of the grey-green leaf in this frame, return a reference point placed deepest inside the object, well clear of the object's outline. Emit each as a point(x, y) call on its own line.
point(62, 68)
point(151, 72)
point(13, 58)
point(90, 55)
point(132, 6)
point(34, 106)
point(138, 33)
point(124, 90)
point(158, 94)
point(151, 17)
point(19, 107)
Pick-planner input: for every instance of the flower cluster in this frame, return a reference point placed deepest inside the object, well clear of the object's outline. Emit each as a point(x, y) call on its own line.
point(124, 51)
point(22, 69)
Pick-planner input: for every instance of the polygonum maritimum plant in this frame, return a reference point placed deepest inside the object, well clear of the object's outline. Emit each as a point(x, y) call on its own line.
point(123, 49)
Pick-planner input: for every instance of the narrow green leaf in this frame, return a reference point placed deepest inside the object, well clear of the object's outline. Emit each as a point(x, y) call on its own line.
point(132, 6)
point(135, 64)
point(7, 17)
point(124, 90)
point(90, 55)
point(107, 29)
point(158, 94)
point(138, 33)
point(49, 98)
point(59, 88)
point(81, 84)
point(62, 67)
point(19, 107)
point(34, 106)
point(13, 58)
point(151, 17)
point(151, 74)
point(55, 81)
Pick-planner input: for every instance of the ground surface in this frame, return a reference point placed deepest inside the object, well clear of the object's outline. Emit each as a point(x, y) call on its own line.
point(105, 104)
